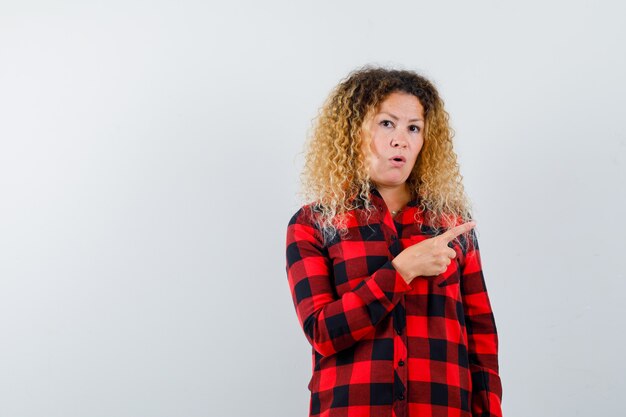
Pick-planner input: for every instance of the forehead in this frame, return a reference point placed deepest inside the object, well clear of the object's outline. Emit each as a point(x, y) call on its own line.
point(403, 103)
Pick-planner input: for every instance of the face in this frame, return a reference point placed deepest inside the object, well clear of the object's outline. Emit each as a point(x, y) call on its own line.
point(396, 132)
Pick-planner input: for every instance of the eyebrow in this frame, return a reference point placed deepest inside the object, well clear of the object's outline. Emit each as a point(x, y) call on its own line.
point(396, 117)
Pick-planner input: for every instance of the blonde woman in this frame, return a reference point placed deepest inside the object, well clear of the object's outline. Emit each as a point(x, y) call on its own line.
point(383, 263)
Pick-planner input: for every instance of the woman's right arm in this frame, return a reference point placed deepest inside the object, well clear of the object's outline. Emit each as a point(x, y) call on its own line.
point(333, 324)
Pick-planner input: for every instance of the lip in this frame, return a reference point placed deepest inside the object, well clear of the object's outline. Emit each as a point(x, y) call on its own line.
point(397, 160)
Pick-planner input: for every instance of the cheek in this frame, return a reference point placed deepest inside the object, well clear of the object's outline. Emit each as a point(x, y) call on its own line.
point(376, 147)
point(419, 146)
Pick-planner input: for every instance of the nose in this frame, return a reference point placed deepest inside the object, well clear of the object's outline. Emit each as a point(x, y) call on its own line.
point(399, 140)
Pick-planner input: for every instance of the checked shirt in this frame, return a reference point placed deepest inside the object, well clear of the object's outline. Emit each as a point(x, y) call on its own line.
point(382, 347)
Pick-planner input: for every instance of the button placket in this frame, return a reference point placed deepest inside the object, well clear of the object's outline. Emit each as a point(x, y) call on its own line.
point(400, 354)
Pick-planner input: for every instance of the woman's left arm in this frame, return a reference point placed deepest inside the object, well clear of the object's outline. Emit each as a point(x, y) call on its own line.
point(486, 396)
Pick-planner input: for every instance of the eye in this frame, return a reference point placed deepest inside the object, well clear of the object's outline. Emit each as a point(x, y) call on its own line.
point(415, 128)
point(386, 123)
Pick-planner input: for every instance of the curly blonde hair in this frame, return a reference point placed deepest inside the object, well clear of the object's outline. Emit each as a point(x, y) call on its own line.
point(335, 177)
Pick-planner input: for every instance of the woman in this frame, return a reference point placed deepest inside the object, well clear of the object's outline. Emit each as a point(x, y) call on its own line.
point(383, 263)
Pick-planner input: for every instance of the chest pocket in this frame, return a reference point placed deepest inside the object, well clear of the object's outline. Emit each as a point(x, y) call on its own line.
point(353, 261)
point(453, 277)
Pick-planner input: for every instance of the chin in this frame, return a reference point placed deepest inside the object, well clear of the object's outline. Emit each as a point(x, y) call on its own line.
point(391, 182)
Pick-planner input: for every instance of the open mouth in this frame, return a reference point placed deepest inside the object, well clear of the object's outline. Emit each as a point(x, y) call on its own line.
point(397, 161)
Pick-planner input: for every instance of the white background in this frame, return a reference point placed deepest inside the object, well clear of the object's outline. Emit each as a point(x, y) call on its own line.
point(149, 162)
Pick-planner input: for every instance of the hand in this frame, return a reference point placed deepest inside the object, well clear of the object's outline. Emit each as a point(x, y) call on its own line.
point(431, 256)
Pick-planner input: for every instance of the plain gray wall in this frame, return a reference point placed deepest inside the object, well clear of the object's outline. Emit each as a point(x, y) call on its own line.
point(149, 162)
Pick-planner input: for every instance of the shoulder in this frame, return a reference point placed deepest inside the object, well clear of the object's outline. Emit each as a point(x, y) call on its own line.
point(303, 230)
point(305, 215)
point(305, 222)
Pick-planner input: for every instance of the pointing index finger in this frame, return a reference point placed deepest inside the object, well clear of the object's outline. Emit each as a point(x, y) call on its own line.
point(457, 230)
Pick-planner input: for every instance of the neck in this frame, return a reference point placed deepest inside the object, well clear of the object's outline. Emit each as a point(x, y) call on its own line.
point(395, 197)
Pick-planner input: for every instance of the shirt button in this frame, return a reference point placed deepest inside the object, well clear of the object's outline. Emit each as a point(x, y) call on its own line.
point(399, 331)
point(401, 397)
point(401, 362)
point(394, 237)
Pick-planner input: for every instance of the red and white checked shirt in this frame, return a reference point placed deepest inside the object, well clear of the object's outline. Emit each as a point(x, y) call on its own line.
point(382, 347)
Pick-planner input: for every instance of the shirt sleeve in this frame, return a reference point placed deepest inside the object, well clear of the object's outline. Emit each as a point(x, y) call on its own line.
point(486, 396)
point(333, 323)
